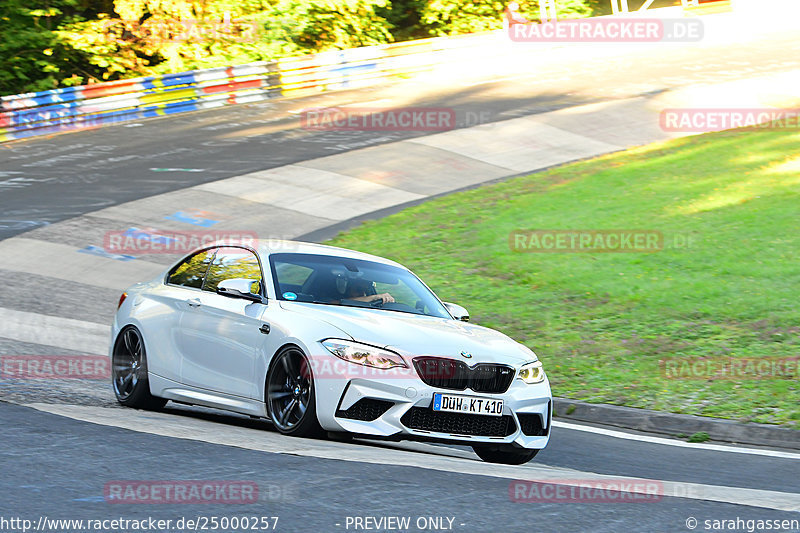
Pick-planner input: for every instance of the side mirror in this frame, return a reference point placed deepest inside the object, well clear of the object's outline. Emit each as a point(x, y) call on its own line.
point(247, 289)
point(458, 312)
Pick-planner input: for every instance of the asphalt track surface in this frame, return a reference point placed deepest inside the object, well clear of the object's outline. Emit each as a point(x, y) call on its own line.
point(51, 179)
point(307, 494)
point(57, 465)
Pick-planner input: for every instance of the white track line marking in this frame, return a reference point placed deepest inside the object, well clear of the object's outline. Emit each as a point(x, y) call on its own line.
point(189, 428)
point(676, 443)
point(65, 333)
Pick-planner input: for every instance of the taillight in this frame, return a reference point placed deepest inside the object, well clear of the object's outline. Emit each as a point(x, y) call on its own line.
point(122, 299)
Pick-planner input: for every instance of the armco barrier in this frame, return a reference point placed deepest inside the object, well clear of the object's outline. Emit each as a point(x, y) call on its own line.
point(89, 106)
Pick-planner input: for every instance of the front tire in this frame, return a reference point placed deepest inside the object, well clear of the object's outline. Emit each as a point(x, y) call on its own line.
point(505, 454)
point(291, 396)
point(129, 372)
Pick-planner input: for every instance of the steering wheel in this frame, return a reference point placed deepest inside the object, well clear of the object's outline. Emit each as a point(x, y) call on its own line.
point(376, 303)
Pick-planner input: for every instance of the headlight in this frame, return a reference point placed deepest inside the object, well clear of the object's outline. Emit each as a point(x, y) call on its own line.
point(532, 373)
point(363, 354)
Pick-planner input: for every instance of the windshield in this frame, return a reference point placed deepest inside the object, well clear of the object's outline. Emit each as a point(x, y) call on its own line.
point(333, 280)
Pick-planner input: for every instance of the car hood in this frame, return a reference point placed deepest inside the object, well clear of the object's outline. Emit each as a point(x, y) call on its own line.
point(413, 335)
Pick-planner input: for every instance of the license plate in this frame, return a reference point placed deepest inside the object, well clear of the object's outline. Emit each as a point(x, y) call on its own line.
point(473, 405)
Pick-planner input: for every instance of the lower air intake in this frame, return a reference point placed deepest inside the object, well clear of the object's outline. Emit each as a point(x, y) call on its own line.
point(366, 409)
point(425, 419)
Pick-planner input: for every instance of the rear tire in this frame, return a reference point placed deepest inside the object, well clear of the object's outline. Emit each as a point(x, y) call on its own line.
point(505, 454)
point(129, 372)
point(291, 395)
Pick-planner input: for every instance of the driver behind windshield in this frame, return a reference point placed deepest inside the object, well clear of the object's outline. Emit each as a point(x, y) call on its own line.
point(364, 291)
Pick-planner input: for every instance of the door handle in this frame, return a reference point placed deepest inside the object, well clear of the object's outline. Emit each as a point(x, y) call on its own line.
point(264, 329)
point(194, 302)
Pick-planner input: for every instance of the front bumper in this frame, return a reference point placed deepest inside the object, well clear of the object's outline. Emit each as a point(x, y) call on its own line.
point(527, 412)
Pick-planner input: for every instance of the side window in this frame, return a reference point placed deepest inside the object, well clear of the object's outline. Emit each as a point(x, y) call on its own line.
point(229, 263)
point(191, 272)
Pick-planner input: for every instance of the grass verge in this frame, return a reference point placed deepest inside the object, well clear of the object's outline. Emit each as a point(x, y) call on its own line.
point(725, 286)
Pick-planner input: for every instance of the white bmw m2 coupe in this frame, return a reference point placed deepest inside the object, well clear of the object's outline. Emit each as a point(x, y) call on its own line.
point(320, 339)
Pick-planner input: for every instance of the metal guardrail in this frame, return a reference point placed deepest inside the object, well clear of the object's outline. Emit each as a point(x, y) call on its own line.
point(90, 106)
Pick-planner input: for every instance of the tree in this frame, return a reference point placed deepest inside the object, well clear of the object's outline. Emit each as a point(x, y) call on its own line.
point(50, 43)
point(452, 17)
point(404, 18)
point(32, 55)
point(318, 25)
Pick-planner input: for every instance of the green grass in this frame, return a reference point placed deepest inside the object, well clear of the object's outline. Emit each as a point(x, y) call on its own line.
point(700, 436)
point(601, 322)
